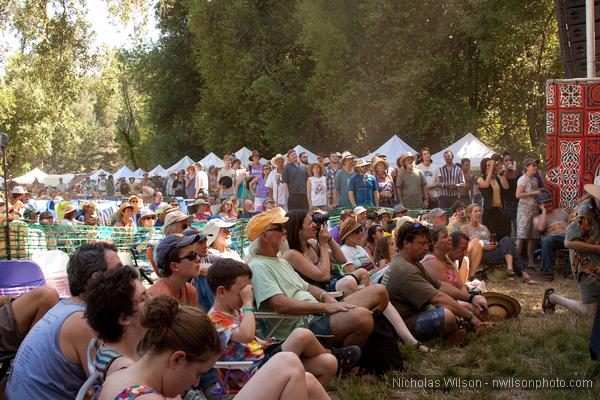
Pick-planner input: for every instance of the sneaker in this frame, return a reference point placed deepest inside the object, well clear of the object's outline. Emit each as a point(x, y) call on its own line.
point(348, 357)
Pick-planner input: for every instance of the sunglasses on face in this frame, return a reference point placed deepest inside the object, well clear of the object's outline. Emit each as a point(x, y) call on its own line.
point(190, 257)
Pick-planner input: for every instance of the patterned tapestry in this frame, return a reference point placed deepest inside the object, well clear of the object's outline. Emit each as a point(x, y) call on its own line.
point(573, 138)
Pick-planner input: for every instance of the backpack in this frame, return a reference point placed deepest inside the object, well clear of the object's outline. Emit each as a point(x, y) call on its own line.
point(381, 353)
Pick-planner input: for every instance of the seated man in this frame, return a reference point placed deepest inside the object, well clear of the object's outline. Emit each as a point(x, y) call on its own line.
point(429, 306)
point(551, 224)
point(437, 217)
point(52, 360)
point(279, 288)
point(178, 262)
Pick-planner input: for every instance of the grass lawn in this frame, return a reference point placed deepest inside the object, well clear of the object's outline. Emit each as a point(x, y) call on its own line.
point(534, 346)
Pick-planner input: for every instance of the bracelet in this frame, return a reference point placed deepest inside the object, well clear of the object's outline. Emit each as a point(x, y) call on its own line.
point(321, 296)
point(248, 309)
point(469, 316)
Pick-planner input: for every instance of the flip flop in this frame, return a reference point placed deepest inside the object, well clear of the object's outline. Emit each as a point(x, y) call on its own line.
point(547, 305)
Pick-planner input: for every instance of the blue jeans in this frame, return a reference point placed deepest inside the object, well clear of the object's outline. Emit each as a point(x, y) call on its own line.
point(549, 244)
point(505, 246)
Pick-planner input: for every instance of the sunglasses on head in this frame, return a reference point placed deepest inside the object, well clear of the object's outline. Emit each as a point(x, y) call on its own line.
point(190, 257)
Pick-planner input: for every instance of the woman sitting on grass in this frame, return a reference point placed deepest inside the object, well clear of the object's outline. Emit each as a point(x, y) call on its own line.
point(502, 252)
point(180, 345)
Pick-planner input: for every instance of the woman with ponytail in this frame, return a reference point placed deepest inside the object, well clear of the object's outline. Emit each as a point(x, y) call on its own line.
point(180, 345)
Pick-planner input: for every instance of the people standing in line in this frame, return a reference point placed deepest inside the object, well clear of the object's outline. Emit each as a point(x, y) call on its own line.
point(431, 172)
point(451, 179)
point(295, 175)
point(342, 179)
point(277, 189)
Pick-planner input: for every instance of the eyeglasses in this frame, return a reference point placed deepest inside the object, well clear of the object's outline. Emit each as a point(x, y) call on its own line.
point(276, 228)
point(190, 257)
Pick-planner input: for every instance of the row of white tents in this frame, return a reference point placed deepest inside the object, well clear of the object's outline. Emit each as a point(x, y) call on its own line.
point(466, 147)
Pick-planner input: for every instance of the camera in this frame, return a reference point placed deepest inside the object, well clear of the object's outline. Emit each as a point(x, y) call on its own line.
point(320, 217)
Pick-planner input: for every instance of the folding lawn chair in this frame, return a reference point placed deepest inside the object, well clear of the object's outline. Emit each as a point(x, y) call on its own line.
point(19, 276)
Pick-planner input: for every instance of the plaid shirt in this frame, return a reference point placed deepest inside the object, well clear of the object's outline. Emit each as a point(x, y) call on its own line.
point(330, 173)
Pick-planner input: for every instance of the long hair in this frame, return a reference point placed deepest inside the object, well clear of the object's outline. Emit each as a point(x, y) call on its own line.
point(293, 227)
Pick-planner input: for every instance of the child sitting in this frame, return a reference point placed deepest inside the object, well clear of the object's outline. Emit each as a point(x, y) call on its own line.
point(233, 316)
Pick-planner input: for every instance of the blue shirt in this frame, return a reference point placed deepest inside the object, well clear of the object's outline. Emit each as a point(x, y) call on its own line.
point(341, 181)
point(363, 187)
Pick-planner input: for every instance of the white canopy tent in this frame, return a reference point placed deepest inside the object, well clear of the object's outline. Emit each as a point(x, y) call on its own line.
point(393, 148)
point(312, 157)
point(139, 173)
point(244, 154)
point(96, 174)
point(32, 175)
point(185, 162)
point(212, 159)
point(52, 179)
point(123, 172)
point(158, 170)
point(466, 147)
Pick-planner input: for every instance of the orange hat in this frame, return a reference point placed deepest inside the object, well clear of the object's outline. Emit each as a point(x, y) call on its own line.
point(259, 223)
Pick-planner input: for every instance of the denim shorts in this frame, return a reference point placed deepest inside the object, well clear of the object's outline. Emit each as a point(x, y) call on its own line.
point(321, 325)
point(429, 324)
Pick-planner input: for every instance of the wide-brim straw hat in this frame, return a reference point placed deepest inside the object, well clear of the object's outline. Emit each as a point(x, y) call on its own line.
point(316, 164)
point(377, 160)
point(361, 163)
point(404, 156)
point(122, 208)
point(501, 306)
point(348, 226)
point(496, 273)
point(69, 208)
point(593, 190)
point(277, 157)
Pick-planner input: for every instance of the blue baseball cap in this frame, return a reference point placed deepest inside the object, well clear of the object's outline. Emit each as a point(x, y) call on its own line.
point(171, 242)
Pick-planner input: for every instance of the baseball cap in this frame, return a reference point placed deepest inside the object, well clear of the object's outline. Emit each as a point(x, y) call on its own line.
point(259, 223)
point(213, 227)
point(530, 160)
point(437, 212)
point(171, 242)
point(399, 208)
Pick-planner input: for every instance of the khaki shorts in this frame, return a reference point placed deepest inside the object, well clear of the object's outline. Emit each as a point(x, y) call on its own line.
point(10, 338)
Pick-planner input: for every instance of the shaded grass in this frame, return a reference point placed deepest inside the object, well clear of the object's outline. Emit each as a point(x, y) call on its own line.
point(534, 346)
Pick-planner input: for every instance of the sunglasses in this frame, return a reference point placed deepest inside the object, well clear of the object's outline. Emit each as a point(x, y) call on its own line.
point(276, 228)
point(190, 257)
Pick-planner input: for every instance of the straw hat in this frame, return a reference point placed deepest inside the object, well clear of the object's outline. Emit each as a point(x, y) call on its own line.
point(593, 190)
point(496, 273)
point(145, 213)
point(403, 157)
point(377, 160)
point(501, 306)
point(348, 226)
point(70, 208)
point(316, 164)
point(277, 157)
point(259, 223)
point(361, 163)
point(124, 205)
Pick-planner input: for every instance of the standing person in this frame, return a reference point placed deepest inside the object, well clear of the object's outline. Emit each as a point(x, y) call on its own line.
point(201, 181)
point(316, 187)
point(362, 188)
point(385, 183)
point(431, 172)
point(342, 180)
point(491, 185)
point(451, 179)
point(304, 158)
point(582, 238)
point(169, 184)
point(527, 193)
point(213, 185)
point(277, 190)
point(110, 186)
point(411, 186)
point(509, 196)
point(62, 186)
point(330, 171)
point(466, 192)
point(190, 183)
point(295, 175)
point(259, 189)
point(179, 184)
point(255, 168)
point(227, 171)
point(124, 187)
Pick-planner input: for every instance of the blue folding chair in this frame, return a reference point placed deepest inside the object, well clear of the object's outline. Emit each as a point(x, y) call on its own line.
point(19, 276)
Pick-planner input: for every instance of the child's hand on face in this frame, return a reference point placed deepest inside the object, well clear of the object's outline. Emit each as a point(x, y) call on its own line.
point(247, 296)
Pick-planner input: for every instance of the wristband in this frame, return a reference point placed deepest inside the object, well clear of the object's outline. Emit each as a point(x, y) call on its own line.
point(469, 316)
point(248, 309)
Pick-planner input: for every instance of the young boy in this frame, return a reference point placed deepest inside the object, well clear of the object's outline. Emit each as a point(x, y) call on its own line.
point(233, 316)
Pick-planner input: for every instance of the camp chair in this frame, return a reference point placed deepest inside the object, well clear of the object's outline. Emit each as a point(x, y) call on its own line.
point(19, 276)
point(54, 266)
point(229, 366)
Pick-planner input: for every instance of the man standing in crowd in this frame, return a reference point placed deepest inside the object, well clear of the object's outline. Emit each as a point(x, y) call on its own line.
point(342, 180)
point(52, 360)
point(551, 223)
point(466, 192)
point(362, 188)
point(411, 186)
point(277, 190)
point(169, 191)
point(431, 173)
point(201, 181)
point(304, 158)
point(227, 171)
point(295, 175)
point(62, 186)
point(110, 186)
point(330, 171)
point(451, 179)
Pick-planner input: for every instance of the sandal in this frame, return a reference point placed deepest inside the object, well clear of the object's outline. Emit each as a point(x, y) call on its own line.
point(547, 305)
point(348, 357)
